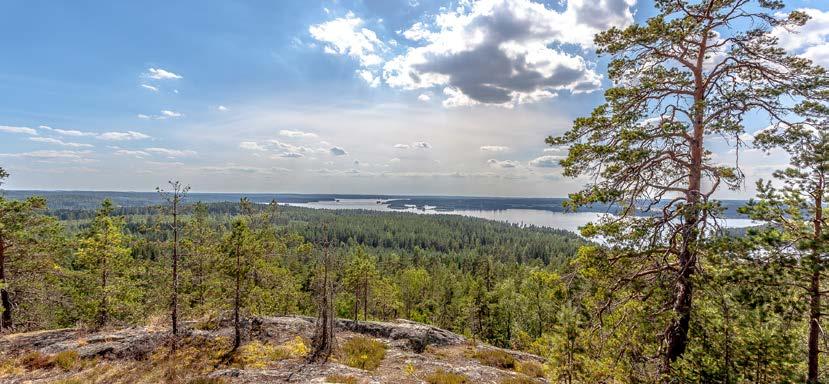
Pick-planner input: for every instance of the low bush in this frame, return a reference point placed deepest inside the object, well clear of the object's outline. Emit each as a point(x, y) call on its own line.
point(519, 380)
point(343, 379)
point(530, 368)
point(35, 360)
point(443, 377)
point(66, 360)
point(363, 353)
point(495, 358)
point(206, 380)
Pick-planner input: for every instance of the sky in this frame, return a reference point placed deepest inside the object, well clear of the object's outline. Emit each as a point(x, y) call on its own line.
point(351, 96)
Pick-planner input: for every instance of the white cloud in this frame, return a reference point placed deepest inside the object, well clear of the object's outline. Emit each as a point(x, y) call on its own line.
point(503, 164)
point(122, 136)
point(222, 108)
point(67, 132)
point(150, 87)
point(402, 146)
point(505, 52)
point(494, 148)
point(50, 140)
point(369, 77)
point(161, 74)
point(21, 130)
point(421, 145)
point(167, 113)
point(142, 116)
point(171, 153)
point(297, 134)
point(337, 151)
point(290, 155)
point(347, 36)
point(127, 152)
point(811, 40)
point(547, 161)
point(252, 146)
point(46, 155)
point(424, 97)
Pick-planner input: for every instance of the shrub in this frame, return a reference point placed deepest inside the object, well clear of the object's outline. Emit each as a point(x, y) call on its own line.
point(518, 380)
point(257, 355)
point(530, 368)
point(495, 358)
point(206, 380)
point(66, 360)
point(344, 379)
point(35, 360)
point(443, 377)
point(363, 353)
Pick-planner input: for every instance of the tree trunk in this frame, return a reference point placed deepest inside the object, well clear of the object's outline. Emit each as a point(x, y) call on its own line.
point(365, 301)
point(103, 313)
point(237, 335)
point(6, 320)
point(174, 299)
point(356, 302)
point(814, 292)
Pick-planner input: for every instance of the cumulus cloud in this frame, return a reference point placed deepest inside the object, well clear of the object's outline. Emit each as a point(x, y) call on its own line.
point(547, 161)
point(503, 164)
point(297, 134)
point(252, 146)
point(337, 151)
point(494, 148)
point(421, 145)
point(161, 74)
point(171, 153)
point(499, 51)
point(347, 36)
point(21, 130)
point(122, 136)
point(49, 140)
point(402, 146)
point(811, 40)
point(222, 108)
point(167, 113)
point(424, 97)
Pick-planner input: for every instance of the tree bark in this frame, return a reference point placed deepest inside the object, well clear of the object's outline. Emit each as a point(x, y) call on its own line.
point(237, 335)
point(814, 291)
point(174, 298)
point(6, 319)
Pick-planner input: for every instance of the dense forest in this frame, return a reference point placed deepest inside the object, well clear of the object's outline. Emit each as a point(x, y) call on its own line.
point(657, 292)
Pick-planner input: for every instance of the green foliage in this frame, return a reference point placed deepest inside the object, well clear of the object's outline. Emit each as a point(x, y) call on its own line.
point(66, 360)
point(363, 353)
point(443, 377)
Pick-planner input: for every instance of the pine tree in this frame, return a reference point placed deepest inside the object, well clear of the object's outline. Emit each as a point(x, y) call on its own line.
point(174, 199)
point(695, 70)
point(104, 259)
point(796, 214)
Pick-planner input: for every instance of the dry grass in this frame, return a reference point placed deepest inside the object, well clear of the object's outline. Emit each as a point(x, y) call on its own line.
point(363, 353)
point(35, 360)
point(343, 379)
point(258, 355)
point(495, 358)
point(443, 377)
point(519, 380)
point(66, 360)
point(530, 368)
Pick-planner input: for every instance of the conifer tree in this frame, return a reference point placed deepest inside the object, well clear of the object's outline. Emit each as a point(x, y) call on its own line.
point(796, 212)
point(104, 259)
point(694, 71)
point(174, 198)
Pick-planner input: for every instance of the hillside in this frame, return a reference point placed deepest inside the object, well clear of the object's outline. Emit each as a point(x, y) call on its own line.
point(398, 352)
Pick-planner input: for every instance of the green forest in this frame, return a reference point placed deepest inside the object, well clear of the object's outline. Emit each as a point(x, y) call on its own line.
point(659, 292)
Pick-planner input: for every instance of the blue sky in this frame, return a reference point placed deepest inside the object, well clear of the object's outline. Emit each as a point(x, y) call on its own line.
point(307, 96)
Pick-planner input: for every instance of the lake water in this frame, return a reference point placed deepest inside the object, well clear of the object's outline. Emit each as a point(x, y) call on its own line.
point(541, 218)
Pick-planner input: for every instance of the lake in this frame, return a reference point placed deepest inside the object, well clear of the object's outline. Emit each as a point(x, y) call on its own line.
point(523, 217)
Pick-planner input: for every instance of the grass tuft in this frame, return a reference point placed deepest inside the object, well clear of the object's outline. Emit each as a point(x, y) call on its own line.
point(530, 368)
point(342, 379)
point(443, 377)
point(67, 360)
point(363, 353)
point(495, 358)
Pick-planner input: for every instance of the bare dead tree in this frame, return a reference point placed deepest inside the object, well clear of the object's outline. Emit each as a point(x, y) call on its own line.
point(324, 342)
point(174, 198)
